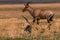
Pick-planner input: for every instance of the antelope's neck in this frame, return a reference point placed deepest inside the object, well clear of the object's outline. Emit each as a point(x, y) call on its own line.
point(31, 10)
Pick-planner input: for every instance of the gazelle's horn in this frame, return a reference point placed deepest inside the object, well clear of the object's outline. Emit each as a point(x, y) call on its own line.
point(28, 3)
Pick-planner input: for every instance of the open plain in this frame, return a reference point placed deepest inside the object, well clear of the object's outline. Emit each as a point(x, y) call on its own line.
point(12, 24)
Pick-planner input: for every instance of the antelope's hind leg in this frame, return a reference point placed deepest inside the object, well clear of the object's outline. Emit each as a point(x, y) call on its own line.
point(51, 18)
point(48, 20)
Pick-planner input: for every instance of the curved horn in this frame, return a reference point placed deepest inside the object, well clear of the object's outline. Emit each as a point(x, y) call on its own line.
point(28, 3)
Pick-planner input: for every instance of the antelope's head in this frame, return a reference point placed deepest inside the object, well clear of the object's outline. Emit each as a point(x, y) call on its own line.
point(26, 7)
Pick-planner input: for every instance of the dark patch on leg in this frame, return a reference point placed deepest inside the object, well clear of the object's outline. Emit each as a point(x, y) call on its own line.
point(38, 21)
point(34, 20)
point(48, 20)
point(28, 28)
point(51, 18)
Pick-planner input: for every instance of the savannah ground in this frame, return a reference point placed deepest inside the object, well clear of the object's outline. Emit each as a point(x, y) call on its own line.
point(12, 24)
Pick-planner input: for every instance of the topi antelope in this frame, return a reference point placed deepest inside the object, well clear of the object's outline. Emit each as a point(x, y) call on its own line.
point(38, 14)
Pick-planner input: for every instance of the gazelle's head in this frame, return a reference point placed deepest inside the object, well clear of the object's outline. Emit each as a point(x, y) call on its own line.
point(26, 6)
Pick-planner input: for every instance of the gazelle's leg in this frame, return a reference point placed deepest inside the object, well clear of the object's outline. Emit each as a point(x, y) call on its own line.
point(48, 19)
point(34, 20)
point(38, 21)
point(51, 18)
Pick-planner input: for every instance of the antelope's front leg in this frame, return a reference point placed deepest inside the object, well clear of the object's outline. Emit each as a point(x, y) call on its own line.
point(33, 20)
point(48, 19)
point(37, 21)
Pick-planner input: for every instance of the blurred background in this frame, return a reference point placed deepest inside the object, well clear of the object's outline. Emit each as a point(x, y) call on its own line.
point(24, 1)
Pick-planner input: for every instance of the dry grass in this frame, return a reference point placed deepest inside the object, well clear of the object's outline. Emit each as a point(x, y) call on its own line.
point(13, 25)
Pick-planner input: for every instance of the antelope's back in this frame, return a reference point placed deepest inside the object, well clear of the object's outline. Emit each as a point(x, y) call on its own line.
point(43, 13)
